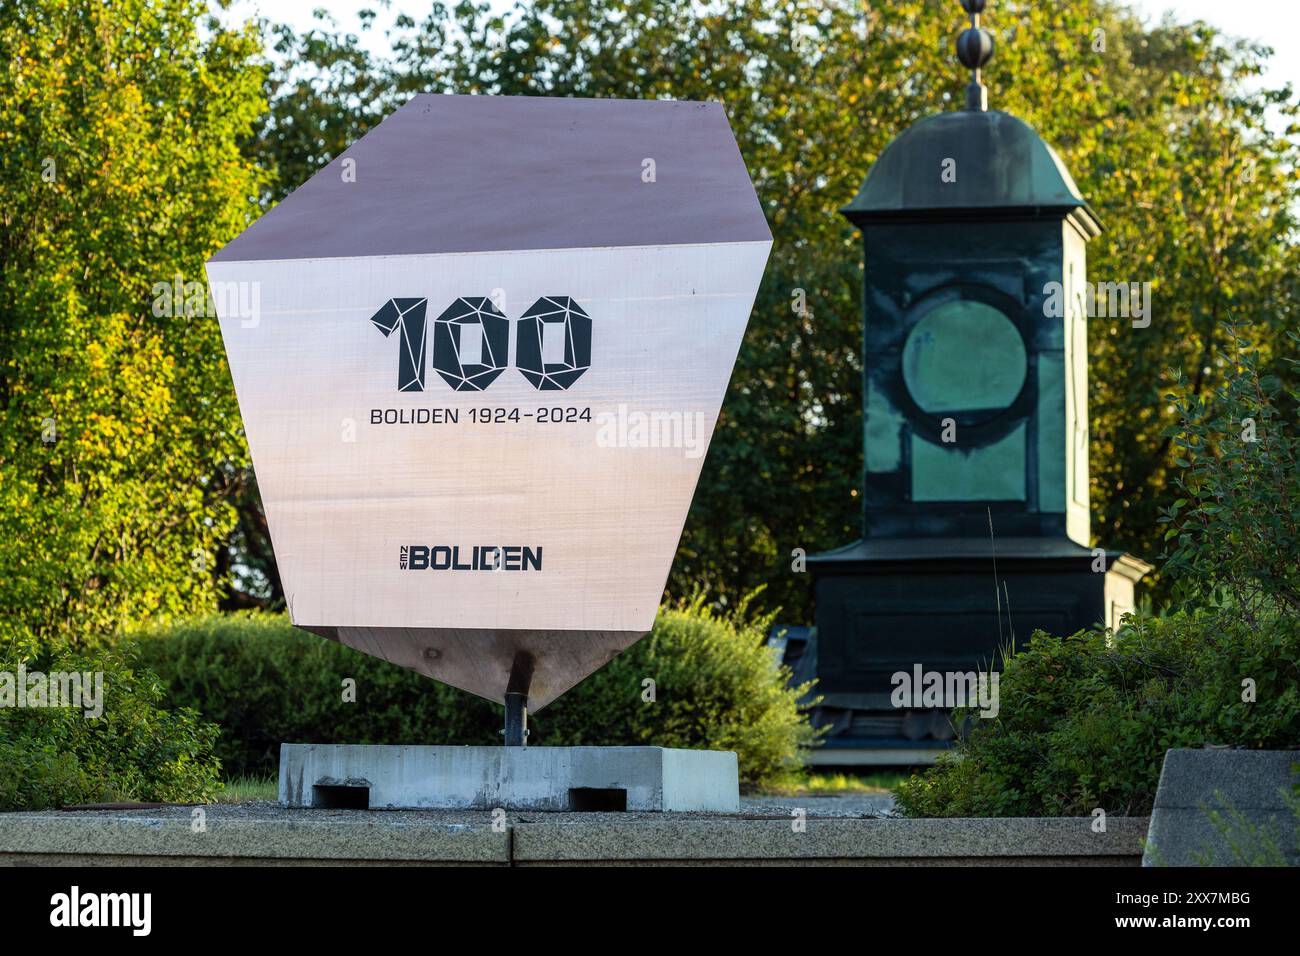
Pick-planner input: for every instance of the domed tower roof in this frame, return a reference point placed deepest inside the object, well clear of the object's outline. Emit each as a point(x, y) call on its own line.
point(971, 164)
point(998, 163)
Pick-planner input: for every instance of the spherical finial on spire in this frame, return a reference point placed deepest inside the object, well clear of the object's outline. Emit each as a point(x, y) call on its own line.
point(974, 49)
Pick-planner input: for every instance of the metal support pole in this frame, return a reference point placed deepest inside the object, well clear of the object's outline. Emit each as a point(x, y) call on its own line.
point(516, 720)
point(521, 676)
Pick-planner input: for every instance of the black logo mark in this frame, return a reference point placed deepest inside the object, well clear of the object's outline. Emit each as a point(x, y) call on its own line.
point(408, 315)
point(553, 343)
point(471, 342)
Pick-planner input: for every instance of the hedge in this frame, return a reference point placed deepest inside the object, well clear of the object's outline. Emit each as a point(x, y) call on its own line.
point(1085, 720)
point(265, 682)
point(135, 750)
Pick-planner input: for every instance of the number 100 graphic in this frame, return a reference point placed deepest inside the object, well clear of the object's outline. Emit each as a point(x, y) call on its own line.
point(471, 342)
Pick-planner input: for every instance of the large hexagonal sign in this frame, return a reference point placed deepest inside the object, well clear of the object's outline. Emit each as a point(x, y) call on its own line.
point(479, 358)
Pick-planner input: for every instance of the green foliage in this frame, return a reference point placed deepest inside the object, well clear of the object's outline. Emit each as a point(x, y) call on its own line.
point(1085, 720)
point(265, 682)
point(120, 168)
point(1163, 127)
point(134, 141)
point(716, 685)
point(327, 93)
point(134, 751)
point(249, 789)
point(1236, 529)
point(1165, 131)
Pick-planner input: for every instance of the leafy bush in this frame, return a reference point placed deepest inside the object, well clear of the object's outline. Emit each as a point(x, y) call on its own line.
point(716, 686)
point(55, 756)
point(1234, 533)
point(1085, 720)
point(265, 682)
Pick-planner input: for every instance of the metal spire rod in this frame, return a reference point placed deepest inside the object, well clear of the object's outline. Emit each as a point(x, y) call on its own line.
point(974, 49)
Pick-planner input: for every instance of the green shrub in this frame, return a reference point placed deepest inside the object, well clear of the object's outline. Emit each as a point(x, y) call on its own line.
point(265, 682)
point(1084, 721)
point(1234, 532)
point(716, 686)
point(55, 756)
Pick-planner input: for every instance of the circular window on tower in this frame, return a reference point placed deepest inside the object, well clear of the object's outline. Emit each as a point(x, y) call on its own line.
point(964, 358)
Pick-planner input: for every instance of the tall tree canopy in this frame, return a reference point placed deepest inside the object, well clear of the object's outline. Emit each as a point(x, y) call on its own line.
point(1164, 127)
point(136, 138)
point(120, 168)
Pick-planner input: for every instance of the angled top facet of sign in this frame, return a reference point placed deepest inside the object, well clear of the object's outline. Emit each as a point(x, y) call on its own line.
point(479, 358)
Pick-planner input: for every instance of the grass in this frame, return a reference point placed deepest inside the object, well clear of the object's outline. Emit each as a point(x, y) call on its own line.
point(829, 784)
point(247, 789)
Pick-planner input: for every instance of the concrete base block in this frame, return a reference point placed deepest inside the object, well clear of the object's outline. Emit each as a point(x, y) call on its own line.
point(1224, 808)
point(359, 776)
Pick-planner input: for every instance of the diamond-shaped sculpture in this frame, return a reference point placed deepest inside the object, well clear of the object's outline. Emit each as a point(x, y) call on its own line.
point(554, 343)
point(459, 523)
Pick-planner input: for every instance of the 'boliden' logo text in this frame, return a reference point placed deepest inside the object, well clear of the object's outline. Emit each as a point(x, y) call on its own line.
point(489, 557)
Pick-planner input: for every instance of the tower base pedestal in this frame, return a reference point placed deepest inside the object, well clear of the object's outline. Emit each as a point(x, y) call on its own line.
point(895, 605)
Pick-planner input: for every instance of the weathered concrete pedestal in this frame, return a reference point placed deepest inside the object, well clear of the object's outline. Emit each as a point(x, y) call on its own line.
point(1218, 807)
point(358, 776)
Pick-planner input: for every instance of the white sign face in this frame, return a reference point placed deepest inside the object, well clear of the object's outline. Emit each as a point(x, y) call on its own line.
point(468, 455)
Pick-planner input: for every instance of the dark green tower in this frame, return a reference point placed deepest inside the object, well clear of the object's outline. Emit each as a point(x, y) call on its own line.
point(975, 415)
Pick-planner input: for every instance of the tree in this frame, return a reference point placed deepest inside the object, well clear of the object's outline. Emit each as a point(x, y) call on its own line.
point(120, 172)
point(325, 93)
point(1158, 124)
point(1196, 194)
